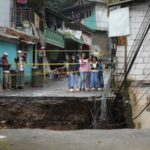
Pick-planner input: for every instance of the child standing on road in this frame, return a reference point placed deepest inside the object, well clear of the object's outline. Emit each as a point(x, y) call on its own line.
point(100, 75)
point(67, 70)
point(88, 77)
point(83, 71)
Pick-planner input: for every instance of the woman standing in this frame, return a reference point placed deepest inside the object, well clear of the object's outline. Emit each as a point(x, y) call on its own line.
point(94, 74)
point(88, 77)
point(83, 71)
point(66, 64)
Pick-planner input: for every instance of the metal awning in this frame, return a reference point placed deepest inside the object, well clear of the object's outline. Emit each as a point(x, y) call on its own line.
point(69, 36)
point(22, 35)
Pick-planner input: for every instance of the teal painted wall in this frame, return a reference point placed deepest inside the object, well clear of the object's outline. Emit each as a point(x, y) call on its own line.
point(28, 66)
point(11, 49)
point(91, 21)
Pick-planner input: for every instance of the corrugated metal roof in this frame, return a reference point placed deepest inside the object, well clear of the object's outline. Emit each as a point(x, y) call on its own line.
point(14, 34)
point(4, 34)
point(116, 2)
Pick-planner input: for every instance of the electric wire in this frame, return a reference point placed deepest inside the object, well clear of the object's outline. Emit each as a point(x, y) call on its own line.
point(134, 44)
point(134, 57)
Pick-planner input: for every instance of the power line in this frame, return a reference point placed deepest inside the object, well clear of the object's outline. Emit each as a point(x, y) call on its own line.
point(134, 44)
point(141, 111)
point(134, 57)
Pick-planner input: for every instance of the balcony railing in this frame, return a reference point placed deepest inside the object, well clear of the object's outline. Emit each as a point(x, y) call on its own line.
point(54, 37)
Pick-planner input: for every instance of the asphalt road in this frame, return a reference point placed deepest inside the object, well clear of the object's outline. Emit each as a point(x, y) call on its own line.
point(75, 140)
point(54, 88)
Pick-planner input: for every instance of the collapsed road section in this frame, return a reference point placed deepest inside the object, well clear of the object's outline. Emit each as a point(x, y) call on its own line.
point(55, 113)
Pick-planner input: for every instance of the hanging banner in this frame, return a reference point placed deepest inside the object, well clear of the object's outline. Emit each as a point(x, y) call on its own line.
point(119, 22)
point(78, 34)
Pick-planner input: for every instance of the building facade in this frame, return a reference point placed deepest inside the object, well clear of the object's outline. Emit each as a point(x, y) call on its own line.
point(138, 17)
point(92, 14)
point(16, 21)
point(125, 47)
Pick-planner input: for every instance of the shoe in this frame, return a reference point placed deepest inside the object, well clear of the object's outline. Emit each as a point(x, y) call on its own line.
point(93, 89)
point(99, 89)
point(71, 90)
point(77, 90)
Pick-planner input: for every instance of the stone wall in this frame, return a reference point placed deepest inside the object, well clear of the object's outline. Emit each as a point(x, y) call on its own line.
point(138, 102)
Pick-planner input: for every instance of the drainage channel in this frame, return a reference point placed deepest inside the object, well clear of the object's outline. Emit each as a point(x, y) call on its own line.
point(55, 113)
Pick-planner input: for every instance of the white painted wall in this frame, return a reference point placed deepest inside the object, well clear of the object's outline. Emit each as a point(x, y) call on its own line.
point(5, 13)
point(140, 69)
point(101, 17)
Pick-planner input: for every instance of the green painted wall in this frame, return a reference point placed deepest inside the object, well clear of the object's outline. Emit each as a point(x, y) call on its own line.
point(28, 67)
point(91, 21)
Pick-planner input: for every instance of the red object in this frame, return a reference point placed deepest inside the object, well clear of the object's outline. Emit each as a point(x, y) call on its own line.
point(6, 65)
point(22, 1)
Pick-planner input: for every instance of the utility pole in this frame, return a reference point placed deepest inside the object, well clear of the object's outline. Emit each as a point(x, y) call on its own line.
point(125, 61)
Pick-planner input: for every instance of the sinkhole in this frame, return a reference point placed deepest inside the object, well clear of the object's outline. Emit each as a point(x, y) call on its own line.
point(60, 113)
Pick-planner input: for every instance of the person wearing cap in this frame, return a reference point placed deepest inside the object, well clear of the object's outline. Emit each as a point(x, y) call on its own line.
point(6, 71)
point(20, 62)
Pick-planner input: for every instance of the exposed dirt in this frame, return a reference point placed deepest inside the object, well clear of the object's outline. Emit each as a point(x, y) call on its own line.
point(56, 115)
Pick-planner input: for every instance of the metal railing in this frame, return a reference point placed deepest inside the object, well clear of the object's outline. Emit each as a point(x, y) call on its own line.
point(54, 37)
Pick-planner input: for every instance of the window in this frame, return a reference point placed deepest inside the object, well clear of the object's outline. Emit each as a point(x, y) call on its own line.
point(23, 12)
point(88, 13)
point(21, 15)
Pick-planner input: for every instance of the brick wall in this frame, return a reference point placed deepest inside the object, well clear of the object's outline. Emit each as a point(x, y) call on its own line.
point(140, 69)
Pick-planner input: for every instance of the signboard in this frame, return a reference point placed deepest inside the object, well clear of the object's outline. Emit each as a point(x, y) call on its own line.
point(87, 39)
point(119, 22)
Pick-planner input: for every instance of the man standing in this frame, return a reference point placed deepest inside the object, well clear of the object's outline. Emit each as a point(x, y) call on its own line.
point(6, 71)
point(1, 75)
point(20, 62)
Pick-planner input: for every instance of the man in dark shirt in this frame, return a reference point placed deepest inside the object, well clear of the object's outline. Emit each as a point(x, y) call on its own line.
point(6, 71)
